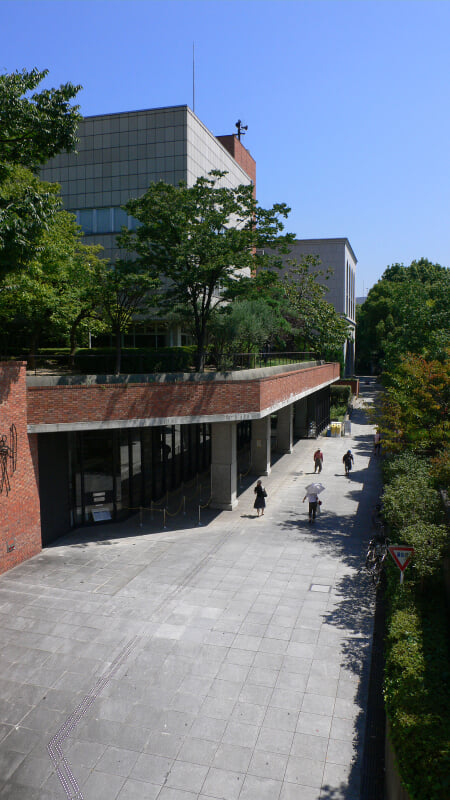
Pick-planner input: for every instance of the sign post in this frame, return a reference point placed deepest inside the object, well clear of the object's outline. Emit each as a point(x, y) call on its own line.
point(402, 556)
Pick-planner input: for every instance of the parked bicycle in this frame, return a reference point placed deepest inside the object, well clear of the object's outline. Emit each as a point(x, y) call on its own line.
point(376, 556)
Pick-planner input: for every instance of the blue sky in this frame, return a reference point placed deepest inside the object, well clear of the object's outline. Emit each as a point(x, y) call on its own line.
point(347, 103)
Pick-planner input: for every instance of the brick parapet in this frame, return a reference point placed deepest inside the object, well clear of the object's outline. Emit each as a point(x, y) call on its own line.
point(20, 526)
point(203, 401)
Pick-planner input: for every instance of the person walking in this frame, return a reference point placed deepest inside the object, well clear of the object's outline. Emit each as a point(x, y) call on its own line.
point(313, 499)
point(260, 499)
point(318, 460)
point(377, 442)
point(348, 461)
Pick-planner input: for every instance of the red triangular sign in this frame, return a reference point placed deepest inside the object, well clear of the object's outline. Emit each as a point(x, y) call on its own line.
point(401, 555)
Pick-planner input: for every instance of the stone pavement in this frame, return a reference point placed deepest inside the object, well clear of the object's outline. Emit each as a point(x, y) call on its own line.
point(227, 661)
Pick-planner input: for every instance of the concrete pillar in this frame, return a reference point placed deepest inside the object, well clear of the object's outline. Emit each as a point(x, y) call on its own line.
point(300, 419)
point(223, 466)
point(261, 446)
point(285, 428)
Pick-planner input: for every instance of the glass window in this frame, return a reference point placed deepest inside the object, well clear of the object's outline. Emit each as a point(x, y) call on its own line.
point(120, 219)
point(104, 220)
point(133, 224)
point(85, 218)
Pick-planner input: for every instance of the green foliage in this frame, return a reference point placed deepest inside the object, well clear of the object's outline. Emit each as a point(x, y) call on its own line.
point(134, 360)
point(340, 393)
point(201, 238)
point(60, 288)
point(417, 687)
point(429, 542)
point(407, 311)
point(408, 499)
point(244, 326)
point(37, 127)
point(413, 412)
point(33, 128)
point(313, 319)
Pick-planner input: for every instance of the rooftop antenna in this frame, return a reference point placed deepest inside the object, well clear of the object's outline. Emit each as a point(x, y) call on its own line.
point(193, 77)
point(240, 129)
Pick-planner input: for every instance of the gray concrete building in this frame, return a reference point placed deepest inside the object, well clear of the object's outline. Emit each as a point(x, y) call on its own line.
point(118, 156)
point(338, 256)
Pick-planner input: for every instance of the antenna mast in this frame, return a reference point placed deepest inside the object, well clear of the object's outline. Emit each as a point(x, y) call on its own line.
point(193, 77)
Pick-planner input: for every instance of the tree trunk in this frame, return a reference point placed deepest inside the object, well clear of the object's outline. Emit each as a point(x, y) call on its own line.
point(118, 352)
point(73, 333)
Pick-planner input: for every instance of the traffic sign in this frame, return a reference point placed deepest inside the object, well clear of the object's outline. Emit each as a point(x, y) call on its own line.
point(402, 556)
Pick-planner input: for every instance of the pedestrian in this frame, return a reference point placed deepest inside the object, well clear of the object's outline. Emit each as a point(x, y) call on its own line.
point(377, 442)
point(318, 460)
point(348, 461)
point(260, 499)
point(313, 500)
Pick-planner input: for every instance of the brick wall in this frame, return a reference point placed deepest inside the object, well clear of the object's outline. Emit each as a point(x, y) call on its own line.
point(20, 525)
point(108, 402)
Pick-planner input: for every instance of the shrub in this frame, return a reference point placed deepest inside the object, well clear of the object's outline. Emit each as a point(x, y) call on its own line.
point(340, 395)
point(409, 496)
point(135, 361)
point(429, 542)
point(417, 687)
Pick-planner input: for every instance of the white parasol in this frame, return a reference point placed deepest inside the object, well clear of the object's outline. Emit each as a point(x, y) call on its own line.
point(315, 488)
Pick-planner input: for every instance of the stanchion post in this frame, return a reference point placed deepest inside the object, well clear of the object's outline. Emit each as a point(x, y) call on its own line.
point(151, 509)
point(199, 512)
point(140, 516)
point(184, 504)
point(164, 519)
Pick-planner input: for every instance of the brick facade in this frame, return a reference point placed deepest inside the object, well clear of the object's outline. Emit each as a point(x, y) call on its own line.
point(20, 526)
point(185, 401)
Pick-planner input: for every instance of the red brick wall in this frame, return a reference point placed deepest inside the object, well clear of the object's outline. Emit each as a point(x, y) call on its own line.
point(109, 402)
point(241, 155)
point(20, 524)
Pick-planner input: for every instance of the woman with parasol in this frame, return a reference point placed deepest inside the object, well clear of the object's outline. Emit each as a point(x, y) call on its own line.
point(312, 493)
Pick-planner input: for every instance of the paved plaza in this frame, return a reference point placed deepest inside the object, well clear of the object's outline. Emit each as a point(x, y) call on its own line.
point(228, 660)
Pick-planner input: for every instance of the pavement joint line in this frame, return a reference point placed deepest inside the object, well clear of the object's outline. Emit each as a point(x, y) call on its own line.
point(54, 747)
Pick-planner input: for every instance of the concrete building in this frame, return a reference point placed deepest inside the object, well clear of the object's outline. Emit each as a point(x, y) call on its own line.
point(118, 156)
point(337, 255)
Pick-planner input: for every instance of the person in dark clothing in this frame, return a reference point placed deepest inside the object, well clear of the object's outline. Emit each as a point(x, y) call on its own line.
point(348, 461)
point(260, 499)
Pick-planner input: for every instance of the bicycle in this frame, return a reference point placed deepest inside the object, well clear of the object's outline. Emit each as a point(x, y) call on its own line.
point(376, 556)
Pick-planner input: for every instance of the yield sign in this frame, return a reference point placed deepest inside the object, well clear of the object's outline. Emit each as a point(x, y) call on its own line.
point(401, 555)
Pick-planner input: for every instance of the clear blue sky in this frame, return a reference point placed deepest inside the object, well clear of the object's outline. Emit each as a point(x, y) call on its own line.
point(347, 103)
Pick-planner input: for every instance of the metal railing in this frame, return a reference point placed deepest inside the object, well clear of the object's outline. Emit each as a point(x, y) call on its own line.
point(152, 362)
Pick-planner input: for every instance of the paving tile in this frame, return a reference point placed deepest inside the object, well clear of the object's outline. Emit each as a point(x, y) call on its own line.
point(197, 751)
point(187, 776)
point(103, 786)
point(318, 704)
point(117, 761)
point(232, 757)
point(307, 746)
point(304, 771)
point(268, 765)
point(256, 788)
point(223, 784)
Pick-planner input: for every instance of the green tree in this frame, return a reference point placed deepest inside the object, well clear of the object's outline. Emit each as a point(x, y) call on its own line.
point(315, 322)
point(408, 310)
point(34, 126)
point(127, 293)
point(413, 411)
point(60, 288)
point(202, 239)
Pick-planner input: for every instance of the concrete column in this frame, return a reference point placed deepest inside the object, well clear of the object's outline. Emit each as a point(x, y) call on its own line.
point(261, 446)
point(300, 420)
point(223, 466)
point(285, 426)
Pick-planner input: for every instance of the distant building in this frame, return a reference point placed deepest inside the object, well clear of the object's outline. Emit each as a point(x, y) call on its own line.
point(337, 255)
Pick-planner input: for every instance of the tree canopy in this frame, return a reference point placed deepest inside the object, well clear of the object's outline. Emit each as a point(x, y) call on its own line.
point(33, 128)
point(202, 240)
point(407, 311)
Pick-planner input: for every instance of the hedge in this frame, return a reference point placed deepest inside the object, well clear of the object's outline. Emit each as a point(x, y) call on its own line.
point(417, 674)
